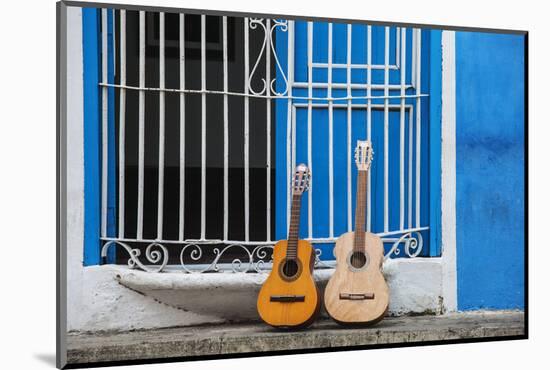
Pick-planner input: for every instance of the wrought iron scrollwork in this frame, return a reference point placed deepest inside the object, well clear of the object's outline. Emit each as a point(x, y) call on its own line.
point(153, 256)
point(246, 259)
point(412, 245)
point(237, 264)
point(255, 23)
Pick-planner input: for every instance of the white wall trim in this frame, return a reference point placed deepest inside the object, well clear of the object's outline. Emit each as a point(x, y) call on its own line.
point(448, 171)
point(75, 165)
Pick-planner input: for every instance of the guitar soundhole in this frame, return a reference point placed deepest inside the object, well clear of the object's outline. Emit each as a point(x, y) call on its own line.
point(290, 269)
point(358, 260)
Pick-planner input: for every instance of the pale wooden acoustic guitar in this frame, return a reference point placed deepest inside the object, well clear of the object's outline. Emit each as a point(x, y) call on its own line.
point(357, 293)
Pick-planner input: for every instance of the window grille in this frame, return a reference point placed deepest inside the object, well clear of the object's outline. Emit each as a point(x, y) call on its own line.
point(286, 86)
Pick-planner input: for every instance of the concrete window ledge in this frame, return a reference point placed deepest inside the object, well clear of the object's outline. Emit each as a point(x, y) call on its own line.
point(415, 287)
point(114, 297)
point(207, 340)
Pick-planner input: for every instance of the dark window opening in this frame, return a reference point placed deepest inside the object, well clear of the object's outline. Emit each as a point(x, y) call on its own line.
point(214, 133)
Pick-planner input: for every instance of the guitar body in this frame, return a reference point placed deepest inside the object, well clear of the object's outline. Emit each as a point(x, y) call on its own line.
point(290, 301)
point(357, 296)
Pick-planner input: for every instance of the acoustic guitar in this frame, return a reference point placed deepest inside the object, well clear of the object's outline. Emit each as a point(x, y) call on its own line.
point(289, 297)
point(357, 293)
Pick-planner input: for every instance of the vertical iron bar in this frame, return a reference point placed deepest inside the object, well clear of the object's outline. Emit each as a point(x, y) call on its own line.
point(182, 128)
point(413, 59)
point(104, 123)
point(203, 127)
point(386, 125)
point(268, 130)
point(225, 135)
point(398, 46)
point(330, 136)
point(410, 181)
point(348, 121)
point(309, 118)
point(289, 123)
point(141, 124)
point(402, 136)
point(162, 83)
point(246, 135)
point(122, 125)
point(369, 117)
point(293, 139)
point(418, 125)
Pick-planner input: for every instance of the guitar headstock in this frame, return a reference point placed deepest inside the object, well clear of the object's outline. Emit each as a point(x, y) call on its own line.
point(363, 155)
point(302, 176)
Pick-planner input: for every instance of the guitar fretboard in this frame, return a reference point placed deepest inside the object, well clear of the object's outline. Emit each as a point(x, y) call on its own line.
point(292, 247)
point(359, 240)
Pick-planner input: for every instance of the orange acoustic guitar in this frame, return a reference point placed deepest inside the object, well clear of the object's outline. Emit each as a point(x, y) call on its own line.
point(357, 292)
point(289, 297)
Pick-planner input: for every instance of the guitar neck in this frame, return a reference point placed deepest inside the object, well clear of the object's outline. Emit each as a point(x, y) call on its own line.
point(292, 246)
point(359, 240)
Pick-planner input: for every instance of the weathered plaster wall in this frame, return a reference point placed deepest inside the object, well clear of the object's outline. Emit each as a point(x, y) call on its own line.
point(489, 170)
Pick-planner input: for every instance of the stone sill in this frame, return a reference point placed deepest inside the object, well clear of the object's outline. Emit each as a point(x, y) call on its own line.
point(212, 340)
point(415, 286)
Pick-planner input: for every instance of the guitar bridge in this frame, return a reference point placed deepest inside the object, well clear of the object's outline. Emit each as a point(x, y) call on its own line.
point(287, 298)
point(356, 296)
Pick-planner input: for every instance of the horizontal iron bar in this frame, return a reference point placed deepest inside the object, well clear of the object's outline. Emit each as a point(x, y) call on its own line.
point(229, 266)
point(344, 106)
point(343, 98)
point(353, 86)
point(255, 243)
point(353, 66)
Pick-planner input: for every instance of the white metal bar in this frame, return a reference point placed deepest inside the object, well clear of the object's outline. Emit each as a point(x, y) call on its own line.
point(268, 135)
point(225, 135)
point(354, 66)
point(309, 118)
point(418, 125)
point(203, 127)
point(344, 86)
point(293, 139)
point(141, 124)
point(386, 128)
point(246, 135)
point(289, 123)
point(413, 59)
point(402, 136)
point(114, 40)
point(162, 83)
point(330, 136)
point(182, 128)
point(244, 242)
point(122, 126)
point(369, 120)
point(410, 181)
point(355, 105)
point(398, 46)
point(104, 123)
point(348, 122)
point(315, 85)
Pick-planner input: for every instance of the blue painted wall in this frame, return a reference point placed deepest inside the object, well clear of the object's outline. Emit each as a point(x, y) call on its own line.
point(490, 170)
point(91, 45)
